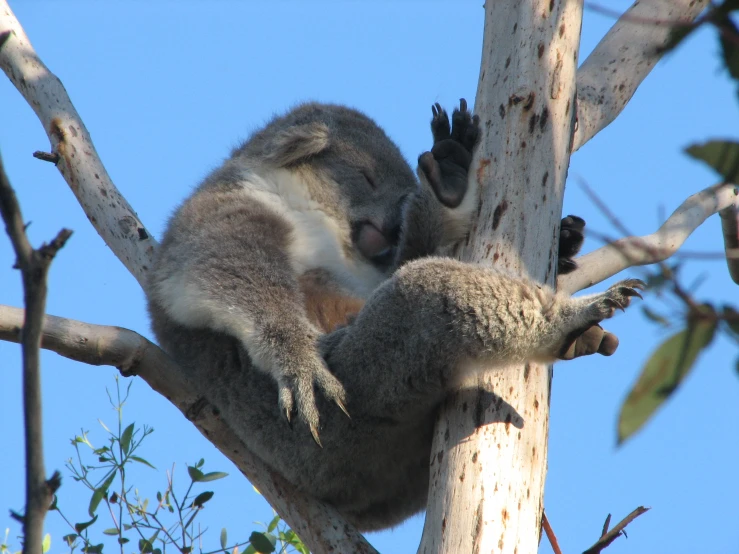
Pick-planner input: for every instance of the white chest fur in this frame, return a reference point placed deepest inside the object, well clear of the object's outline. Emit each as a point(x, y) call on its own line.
point(319, 238)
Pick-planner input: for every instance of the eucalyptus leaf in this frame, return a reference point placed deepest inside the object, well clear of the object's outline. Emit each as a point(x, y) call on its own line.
point(662, 374)
point(721, 155)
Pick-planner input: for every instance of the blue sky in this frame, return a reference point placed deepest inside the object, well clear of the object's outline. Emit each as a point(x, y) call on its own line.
point(168, 88)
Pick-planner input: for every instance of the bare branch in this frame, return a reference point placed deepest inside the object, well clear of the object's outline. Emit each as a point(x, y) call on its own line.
point(550, 534)
point(609, 536)
point(34, 266)
point(608, 78)
point(319, 525)
point(730, 227)
point(631, 251)
point(111, 215)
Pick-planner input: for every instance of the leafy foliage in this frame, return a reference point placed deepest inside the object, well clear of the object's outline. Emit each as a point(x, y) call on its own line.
point(139, 525)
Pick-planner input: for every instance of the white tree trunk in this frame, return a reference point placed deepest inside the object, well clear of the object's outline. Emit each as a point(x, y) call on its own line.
point(489, 455)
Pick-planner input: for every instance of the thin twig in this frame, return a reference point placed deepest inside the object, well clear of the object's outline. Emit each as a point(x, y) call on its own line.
point(34, 266)
point(607, 537)
point(550, 533)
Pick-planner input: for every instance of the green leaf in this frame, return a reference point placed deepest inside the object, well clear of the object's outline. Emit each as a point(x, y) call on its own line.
point(195, 474)
point(108, 481)
point(250, 550)
point(54, 502)
point(273, 524)
point(159, 496)
point(126, 437)
point(145, 547)
point(721, 155)
point(662, 374)
point(96, 549)
point(263, 542)
point(46, 543)
point(200, 463)
point(79, 527)
point(101, 450)
point(224, 538)
point(97, 496)
point(202, 498)
point(69, 539)
point(729, 47)
point(123, 540)
point(111, 531)
point(142, 461)
point(213, 476)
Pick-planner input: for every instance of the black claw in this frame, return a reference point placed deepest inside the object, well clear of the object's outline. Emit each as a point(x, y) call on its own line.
point(462, 105)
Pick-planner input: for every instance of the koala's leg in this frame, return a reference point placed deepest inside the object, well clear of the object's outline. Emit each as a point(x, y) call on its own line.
point(224, 265)
point(437, 319)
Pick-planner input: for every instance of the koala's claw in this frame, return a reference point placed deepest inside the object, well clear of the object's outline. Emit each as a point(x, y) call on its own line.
point(619, 296)
point(297, 394)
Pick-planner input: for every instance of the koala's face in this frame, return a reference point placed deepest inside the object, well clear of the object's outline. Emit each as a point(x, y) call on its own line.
point(373, 177)
point(375, 180)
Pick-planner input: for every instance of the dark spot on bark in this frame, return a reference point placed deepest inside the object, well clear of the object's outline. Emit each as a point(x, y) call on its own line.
point(523, 144)
point(526, 371)
point(508, 62)
point(515, 27)
point(446, 435)
point(561, 30)
point(544, 118)
point(464, 407)
point(544, 179)
point(540, 50)
point(440, 456)
point(514, 99)
point(536, 404)
point(501, 111)
point(529, 101)
point(496, 256)
point(500, 209)
point(474, 458)
point(567, 108)
point(533, 120)
point(143, 235)
point(551, 5)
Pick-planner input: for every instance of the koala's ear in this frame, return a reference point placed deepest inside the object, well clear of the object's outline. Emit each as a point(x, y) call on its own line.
point(297, 143)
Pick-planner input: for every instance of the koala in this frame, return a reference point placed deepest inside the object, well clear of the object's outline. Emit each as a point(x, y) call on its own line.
point(306, 276)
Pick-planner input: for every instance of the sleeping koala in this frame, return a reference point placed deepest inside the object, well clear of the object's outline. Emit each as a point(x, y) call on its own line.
point(304, 274)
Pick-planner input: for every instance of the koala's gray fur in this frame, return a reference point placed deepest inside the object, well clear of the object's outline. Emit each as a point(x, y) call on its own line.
point(320, 208)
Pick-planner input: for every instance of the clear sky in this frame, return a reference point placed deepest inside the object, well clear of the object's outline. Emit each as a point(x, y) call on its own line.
point(168, 88)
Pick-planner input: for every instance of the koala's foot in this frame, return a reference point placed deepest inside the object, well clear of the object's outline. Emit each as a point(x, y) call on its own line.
point(296, 384)
point(593, 339)
point(448, 163)
point(570, 241)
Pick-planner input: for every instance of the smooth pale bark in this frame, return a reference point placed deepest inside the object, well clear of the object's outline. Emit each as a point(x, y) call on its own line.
point(489, 457)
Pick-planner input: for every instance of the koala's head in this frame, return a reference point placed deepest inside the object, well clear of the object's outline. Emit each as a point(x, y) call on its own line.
point(373, 177)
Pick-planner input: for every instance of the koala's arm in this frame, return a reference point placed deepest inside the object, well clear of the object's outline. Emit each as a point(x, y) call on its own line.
point(224, 265)
point(438, 319)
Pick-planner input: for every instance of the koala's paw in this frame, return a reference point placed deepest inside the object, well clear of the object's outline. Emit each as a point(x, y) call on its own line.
point(447, 165)
point(296, 387)
point(618, 296)
point(570, 241)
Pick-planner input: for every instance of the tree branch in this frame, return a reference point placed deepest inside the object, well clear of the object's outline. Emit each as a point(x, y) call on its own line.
point(631, 251)
point(111, 215)
point(608, 78)
point(607, 537)
point(34, 266)
point(319, 525)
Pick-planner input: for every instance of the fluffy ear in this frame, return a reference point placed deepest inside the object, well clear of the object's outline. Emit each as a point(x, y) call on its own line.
point(298, 143)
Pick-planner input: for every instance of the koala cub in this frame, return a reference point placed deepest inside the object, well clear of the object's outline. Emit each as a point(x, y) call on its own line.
point(304, 275)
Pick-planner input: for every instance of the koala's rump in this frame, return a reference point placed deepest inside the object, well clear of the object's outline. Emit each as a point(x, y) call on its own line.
point(373, 469)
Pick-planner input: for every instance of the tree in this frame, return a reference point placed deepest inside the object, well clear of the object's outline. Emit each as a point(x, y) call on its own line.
point(518, 103)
